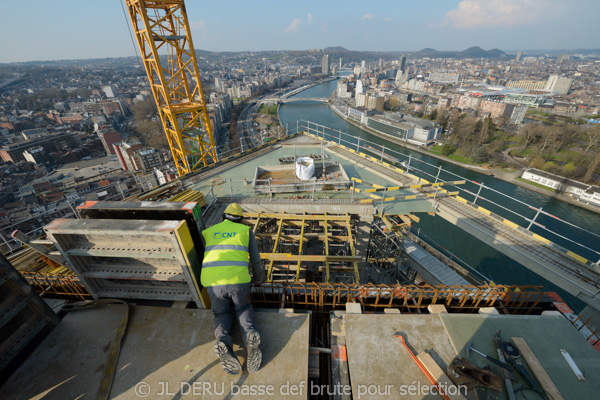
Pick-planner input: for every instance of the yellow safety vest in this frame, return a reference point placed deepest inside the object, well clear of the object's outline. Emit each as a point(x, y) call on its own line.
point(226, 257)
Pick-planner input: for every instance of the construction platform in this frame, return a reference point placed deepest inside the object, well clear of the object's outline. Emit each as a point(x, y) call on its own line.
point(283, 179)
point(238, 180)
point(380, 367)
point(165, 353)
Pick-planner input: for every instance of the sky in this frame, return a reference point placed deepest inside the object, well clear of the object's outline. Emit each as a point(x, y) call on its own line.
point(40, 30)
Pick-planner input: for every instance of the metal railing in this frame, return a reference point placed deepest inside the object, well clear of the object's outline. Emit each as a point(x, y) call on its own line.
point(507, 205)
point(322, 297)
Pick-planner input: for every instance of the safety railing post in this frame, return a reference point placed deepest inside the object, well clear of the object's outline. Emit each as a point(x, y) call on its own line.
point(438, 174)
point(478, 192)
point(534, 218)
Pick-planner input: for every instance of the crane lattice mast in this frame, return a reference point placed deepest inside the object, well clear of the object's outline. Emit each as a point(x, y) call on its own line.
point(162, 25)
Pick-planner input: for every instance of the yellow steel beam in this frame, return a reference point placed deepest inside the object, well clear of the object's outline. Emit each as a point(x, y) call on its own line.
point(300, 251)
point(326, 251)
point(352, 251)
point(269, 274)
point(412, 196)
point(176, 88)
point(424, 185)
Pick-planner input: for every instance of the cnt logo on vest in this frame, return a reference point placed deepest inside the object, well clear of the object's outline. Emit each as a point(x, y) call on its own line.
point(224, 235)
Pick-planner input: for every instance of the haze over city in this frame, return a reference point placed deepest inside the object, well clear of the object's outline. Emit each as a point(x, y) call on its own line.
point(43, 30)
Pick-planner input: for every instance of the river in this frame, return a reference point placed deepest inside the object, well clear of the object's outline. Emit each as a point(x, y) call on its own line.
point(491, 263)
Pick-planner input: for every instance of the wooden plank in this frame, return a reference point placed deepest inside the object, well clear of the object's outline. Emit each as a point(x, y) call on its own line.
point(537, 369)
point(438, 374)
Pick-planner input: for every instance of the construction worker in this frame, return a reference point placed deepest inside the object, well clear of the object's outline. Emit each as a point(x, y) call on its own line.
point(230, 251)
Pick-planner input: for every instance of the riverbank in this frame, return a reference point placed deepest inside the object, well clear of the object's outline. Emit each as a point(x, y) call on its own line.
point(510, 177)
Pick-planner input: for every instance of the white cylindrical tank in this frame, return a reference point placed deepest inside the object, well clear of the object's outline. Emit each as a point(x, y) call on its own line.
point(305, 168)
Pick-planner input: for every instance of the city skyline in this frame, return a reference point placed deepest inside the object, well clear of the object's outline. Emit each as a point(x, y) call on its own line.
point(38, 30)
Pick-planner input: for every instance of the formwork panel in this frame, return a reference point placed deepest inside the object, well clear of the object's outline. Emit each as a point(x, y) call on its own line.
point(138, 259)
point(151, 210)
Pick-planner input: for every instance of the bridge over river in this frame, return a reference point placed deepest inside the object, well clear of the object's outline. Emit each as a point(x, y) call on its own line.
point(283, 100)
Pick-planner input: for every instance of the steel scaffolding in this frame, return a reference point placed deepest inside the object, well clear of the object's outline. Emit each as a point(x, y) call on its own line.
point(384, 263)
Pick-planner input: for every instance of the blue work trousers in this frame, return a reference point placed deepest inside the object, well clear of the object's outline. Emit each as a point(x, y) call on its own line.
point(229, 301)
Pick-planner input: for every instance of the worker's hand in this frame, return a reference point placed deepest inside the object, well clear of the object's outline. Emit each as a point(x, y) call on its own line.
point(257, 283)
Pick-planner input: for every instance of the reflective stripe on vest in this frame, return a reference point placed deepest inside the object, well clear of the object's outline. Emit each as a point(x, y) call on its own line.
point(226, 258)
point(226, 247)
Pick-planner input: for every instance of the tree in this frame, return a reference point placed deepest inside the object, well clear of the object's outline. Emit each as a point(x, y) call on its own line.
point(538, 162)
point(551, 167)
point(589, 175)
point(447, 149)
point(569, 170)
point(593, 137)
point(548, 138)
point(528, 134)
point(434, 114)
point(564, 136)
point(442, 117)
point(480, 155)
point(144, 109)
point(152, 133)
point(484, 132)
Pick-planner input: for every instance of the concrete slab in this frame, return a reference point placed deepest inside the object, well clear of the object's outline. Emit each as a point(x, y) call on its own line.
point(379, 363)
point(173, 349)
point(68, 364)
point(166, 353)
point(221, 185)
point(545, 335)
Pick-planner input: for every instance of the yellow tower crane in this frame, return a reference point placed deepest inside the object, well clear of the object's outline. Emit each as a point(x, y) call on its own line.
point(162, 25)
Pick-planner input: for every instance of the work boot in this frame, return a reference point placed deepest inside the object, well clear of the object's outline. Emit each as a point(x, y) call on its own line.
point(229, 361)
point(254, 353)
